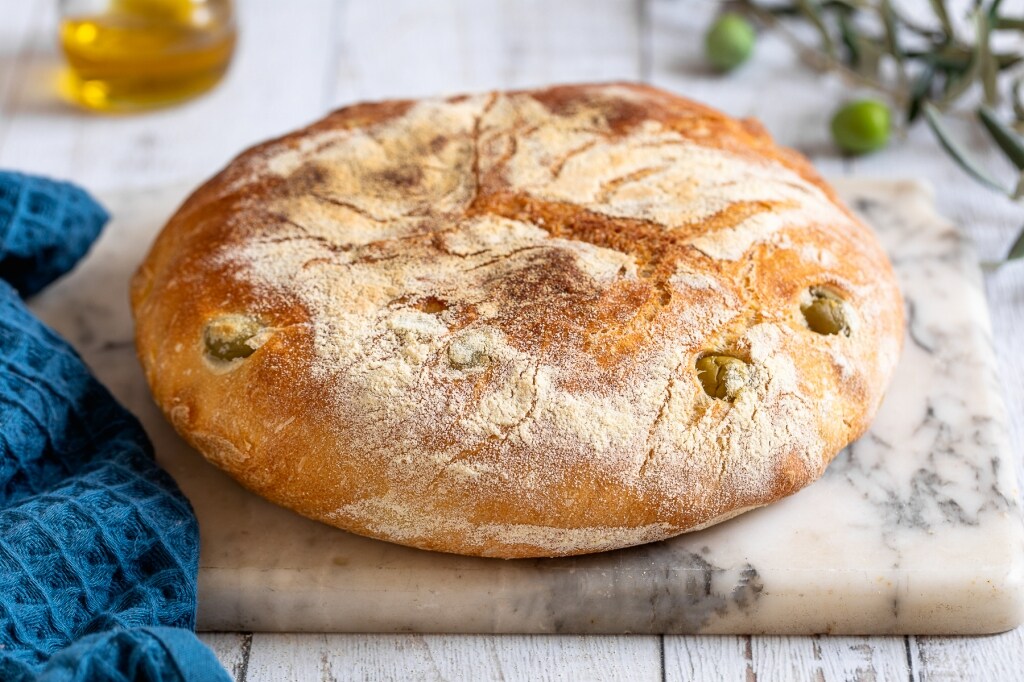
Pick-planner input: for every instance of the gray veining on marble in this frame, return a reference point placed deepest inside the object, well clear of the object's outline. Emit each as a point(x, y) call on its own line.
point(913, 529)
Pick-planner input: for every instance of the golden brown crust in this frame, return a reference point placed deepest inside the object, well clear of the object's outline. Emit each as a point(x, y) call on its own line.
point(481, 317)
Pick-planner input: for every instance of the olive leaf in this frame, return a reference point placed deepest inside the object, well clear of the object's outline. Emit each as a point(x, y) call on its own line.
point(1017, 97)
point(864, 54)
point(1008, 23)
point(958, 153)
point(851, 40)
point(812, 11)
point(1008, 61)
point(960, 81)
point(782, 10)
point(1006, 139)
point(947, 57)
point(921, 89)
point(988, 68)
point(939, 8)
point(892, 39)
point(1017, 249)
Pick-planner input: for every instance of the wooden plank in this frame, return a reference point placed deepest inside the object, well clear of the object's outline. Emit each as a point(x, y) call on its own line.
point(292, 657)
point(276, 83)
point(568, 41)
point(232, 650)
point(409, 48)
point(819, 658)
point(289, 658)
point(16, 30)
point(28, 141)
point(953, 659)
point(825, 658)
point(690, 658)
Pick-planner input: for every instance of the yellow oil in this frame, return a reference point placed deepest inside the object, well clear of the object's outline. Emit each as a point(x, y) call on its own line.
point(146, 53)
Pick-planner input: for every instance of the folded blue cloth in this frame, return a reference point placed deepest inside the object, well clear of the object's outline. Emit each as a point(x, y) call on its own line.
point(139, 655)
point(94, 536)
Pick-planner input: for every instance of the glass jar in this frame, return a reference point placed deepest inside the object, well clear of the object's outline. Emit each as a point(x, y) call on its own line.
point(135, 54)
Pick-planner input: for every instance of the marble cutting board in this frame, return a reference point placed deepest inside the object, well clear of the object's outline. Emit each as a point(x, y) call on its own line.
point(913, 529)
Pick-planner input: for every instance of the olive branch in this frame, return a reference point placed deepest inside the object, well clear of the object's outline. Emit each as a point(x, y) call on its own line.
point(929, 69)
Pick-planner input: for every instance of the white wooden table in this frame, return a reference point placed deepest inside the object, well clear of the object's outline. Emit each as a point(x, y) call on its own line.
point(297, 59)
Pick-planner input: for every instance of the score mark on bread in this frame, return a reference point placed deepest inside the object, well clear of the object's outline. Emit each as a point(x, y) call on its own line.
point(532, 323)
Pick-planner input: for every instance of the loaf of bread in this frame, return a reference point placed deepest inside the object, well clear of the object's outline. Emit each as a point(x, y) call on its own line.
point(519, 324)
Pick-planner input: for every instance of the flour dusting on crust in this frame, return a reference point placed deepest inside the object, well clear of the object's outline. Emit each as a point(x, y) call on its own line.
point(500, 301)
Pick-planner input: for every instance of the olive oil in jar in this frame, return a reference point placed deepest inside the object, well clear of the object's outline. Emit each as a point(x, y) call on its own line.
point(137, 54)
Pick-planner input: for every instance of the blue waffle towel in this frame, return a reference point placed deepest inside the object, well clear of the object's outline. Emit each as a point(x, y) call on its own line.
point(98, 547)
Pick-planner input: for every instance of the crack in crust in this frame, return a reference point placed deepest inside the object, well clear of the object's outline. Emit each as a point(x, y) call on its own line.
point(350, 206)
point(658, 419)
point(559, 165)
